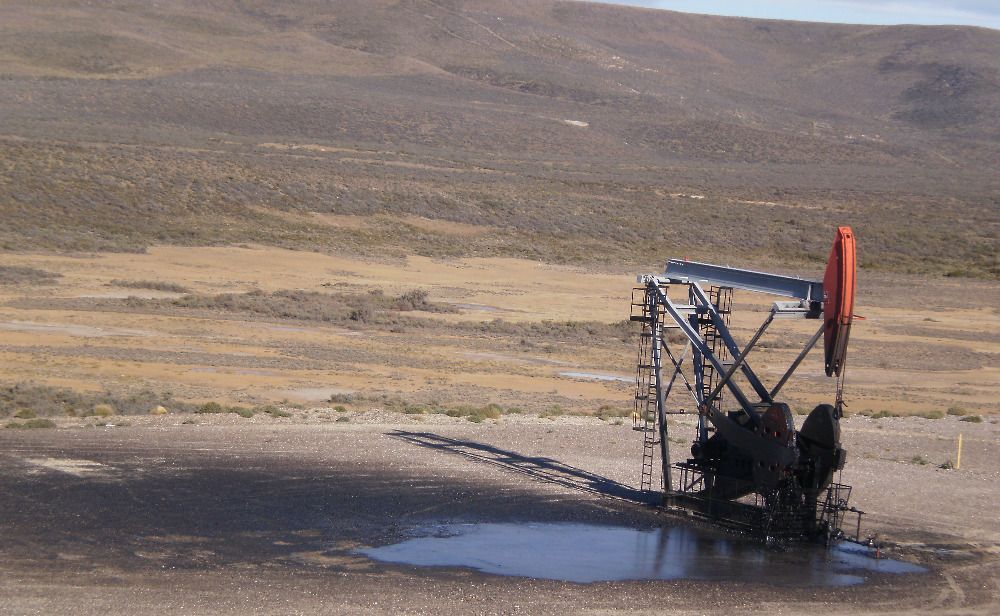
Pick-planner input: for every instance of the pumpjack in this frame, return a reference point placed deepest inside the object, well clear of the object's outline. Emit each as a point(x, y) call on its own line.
point(749, 465)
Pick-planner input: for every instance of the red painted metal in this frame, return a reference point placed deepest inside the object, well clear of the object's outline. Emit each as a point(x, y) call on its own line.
point(839, 284)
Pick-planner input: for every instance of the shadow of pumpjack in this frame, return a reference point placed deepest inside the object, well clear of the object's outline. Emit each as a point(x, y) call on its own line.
point(543, 469)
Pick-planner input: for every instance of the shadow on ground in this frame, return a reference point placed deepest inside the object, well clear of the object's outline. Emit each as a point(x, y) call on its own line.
point(141, 499)
point(536, 467)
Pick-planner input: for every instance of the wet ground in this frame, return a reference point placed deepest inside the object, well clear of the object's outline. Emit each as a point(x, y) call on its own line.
point(586, 553)
point(282, 518)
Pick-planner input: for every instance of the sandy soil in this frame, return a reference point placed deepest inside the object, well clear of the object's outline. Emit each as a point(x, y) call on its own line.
point(224, 514)
point(228, 515)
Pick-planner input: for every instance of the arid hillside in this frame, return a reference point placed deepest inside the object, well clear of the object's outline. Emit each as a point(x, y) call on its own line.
point(563, 131)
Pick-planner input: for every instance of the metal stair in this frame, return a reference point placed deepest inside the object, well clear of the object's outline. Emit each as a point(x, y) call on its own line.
point(644, 409)
point(722, 299)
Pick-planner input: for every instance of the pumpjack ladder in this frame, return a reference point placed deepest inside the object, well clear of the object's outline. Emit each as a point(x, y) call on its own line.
point(647, 383)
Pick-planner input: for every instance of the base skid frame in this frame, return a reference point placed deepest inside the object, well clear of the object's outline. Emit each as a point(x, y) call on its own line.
point(775, 517)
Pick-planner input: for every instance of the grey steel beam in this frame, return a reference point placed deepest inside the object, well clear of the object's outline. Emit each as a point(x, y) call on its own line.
point(798, 360)
point(727, 339)
point(793, 310)
point(743, 356)
point(661, 395)
point(677, 366)
point(699, 344)
point(678, 270)
point(668, 483)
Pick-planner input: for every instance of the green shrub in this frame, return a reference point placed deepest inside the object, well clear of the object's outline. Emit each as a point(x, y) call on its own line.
point(48, 401)
point(25, 414)
point(215, 407)
point(490, 411)
point(154, 285)
point(957, 410)
point(242, 411)
point(340, 408)
point(972, 419)
point(31, 423)
point(552, 411)
point(919, 460)
point(931, 415)
point(606, 412)
point(272, 410)
point(102, 410)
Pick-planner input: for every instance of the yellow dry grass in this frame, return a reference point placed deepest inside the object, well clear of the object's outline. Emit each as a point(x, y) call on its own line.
point(515, 290)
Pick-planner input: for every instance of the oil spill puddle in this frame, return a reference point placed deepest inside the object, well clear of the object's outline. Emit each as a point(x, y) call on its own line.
point(585, 553)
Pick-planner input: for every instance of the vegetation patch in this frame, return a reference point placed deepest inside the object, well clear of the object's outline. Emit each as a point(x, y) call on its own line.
point(211, 408)
point(48, 401)
point(879, 414)
point(100, 410)
point(606, 412)
point(31, 424)
point(17, 275)
point(369, 311)
point(153, 285)
point(475, 413)
point(372, 307)
point(524, 214)
point(273, 411)
point(552, 412)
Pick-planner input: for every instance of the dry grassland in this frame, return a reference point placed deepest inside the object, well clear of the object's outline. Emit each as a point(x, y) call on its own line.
point(490, 331)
